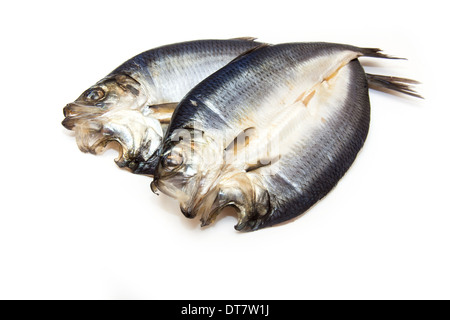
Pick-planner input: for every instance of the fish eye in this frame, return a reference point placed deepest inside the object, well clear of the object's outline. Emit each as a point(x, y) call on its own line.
point(172, 161)
point(95, 94)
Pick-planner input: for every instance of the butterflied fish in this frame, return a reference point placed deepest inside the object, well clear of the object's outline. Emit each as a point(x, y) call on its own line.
point(271, 133)
point(134, 103)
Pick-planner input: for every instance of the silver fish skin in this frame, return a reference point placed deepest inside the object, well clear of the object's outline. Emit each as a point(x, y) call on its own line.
point(270, 133)
point(134, 103)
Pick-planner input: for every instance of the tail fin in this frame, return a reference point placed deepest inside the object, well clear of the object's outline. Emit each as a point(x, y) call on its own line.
point(403, 85)
point(376, 53)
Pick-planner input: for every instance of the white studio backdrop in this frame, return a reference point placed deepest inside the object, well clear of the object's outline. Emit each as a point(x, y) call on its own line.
point(74, 226)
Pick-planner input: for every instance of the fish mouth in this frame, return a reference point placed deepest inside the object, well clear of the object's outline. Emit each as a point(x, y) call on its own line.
point(74, 113)
point(247, 196)
point(207, 207)
point(188, 213)
point(136, 136)
point(84, 120)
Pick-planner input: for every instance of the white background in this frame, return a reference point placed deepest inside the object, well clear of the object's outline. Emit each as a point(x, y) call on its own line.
point(73, 225)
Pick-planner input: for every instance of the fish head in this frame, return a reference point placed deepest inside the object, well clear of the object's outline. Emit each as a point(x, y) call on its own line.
point(112, 93)
point(194, 171)
point(187, 168)
point(112, 111)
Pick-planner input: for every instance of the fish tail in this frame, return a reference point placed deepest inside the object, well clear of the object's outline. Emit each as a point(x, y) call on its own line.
point(403, 85)
point(376, 53)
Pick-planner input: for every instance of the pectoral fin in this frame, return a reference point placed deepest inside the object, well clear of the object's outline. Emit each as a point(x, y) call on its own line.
point(162, 112)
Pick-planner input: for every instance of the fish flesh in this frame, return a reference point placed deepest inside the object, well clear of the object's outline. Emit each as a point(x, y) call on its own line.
point(271, 133)
point(134, 103)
